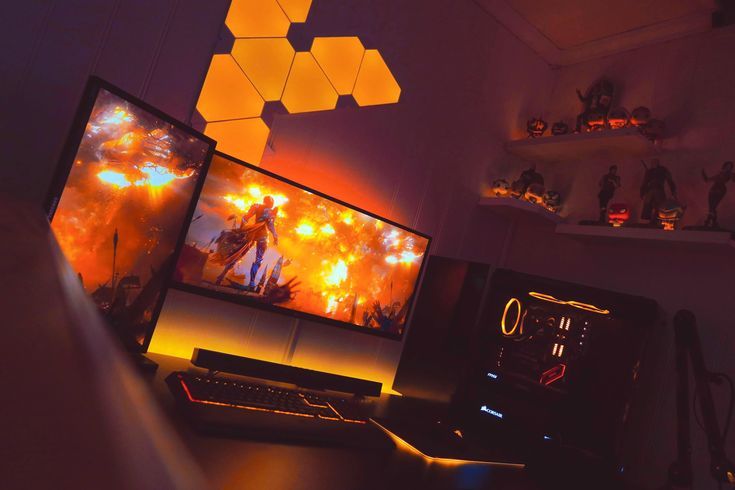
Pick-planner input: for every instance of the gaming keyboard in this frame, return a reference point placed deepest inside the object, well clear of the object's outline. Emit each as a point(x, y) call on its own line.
point(230, 406)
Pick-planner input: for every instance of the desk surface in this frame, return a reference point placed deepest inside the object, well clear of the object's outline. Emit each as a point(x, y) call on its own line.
point(245, 464)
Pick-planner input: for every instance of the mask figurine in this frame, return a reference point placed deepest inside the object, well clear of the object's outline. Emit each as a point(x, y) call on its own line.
point(528, 177)
point(618, 118)
point(669, 213)
point(536, 127)
point(618, 214)
point(535, 193)
point(608, 183)
point(653, 190)
point(559, 128)
point(640, 116)
point(717, 191)
point(500, 188)
point(552, 201)
point(596, 103)
point(595, 121)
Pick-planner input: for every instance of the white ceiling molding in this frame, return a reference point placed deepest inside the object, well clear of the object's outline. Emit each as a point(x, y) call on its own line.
point(528, 33)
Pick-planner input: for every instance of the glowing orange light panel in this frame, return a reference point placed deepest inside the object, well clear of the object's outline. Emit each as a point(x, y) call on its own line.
point(340, 58)
point(307, 88)
point(266, 63)
point(227, 92)
point(375, 83)
point(296, 10)
point(257, 18)
point(262, 67)
point(243, 137)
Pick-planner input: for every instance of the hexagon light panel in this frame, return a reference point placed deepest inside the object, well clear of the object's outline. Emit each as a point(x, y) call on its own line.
point(263, 66)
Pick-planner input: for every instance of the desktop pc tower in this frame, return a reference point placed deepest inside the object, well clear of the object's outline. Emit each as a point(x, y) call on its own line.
point(549, 365)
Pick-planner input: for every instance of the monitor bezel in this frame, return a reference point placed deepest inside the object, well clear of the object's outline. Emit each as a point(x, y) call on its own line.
point(66, 161)
point(244, 301)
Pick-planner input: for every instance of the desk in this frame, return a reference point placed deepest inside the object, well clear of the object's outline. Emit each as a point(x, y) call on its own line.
point(245, 464)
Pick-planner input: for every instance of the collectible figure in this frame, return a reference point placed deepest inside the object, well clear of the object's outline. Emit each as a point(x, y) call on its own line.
point(528, 177)
point(640, 116)
point(596, 103)
point(618, 214)
point(608, 183)
point(536, 127)
point(669, 214)
point(653, 192)
point(559, 128)
point(552, 201)
point(535, 193)
point(500, 188)
point(717, 191)
point(618, 118)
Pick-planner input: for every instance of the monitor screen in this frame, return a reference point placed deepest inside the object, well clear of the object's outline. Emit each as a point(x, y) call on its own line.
point(262, 240)
point(123, 194)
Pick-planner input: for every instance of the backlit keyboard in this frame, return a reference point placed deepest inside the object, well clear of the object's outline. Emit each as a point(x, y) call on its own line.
point(255, 397)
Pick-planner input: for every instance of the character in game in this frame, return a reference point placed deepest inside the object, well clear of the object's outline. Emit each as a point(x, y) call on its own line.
point(608, 183)
point(527, 178)
point(653, 192)
point(234, 244)
point(717, 191)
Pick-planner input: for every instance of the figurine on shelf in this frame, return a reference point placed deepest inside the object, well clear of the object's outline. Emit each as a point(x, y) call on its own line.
point(640, 116)
point(717, 191)
point(552, 201)
point(559, 128)
point(618, 118)
point(596, 103)
point(653, 190)
point(669, 214)
point(618, 214)
point(528, 177)
point(608, 183)
point(500, 188)
point(536, 127)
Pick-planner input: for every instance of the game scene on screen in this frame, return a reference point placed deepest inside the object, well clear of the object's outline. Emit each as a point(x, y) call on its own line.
point(261, 239)
point(124, 206)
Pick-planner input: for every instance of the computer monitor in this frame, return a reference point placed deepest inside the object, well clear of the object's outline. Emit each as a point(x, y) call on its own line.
point(262, 240)
point(125, 188)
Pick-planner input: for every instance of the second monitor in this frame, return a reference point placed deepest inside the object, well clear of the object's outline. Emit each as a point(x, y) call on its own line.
point(261, 240)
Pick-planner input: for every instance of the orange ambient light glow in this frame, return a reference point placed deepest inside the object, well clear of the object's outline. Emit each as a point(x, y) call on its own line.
point(263, 66)
point(574, 304)
point(405, 446)
point(508, 305)
point(260, 409)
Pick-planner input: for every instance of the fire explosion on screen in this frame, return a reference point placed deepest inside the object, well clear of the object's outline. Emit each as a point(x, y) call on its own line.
point(124, 206)
point(257, 237)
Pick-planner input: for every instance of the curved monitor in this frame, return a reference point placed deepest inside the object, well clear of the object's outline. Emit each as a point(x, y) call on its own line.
point(123, 194)
point(264, 241)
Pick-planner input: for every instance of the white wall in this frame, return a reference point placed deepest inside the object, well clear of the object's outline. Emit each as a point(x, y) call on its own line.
point(467, 85)
point(157, 50)
point(688, 83)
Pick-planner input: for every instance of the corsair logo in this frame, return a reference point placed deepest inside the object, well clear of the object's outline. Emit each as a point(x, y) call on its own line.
point(492, 412)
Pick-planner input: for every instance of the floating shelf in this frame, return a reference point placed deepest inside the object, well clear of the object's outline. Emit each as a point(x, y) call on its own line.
point(688, 239)
point(613, 143)
point(511, 207)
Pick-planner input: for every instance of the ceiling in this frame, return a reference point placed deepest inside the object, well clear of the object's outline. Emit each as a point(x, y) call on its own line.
point(570, 31)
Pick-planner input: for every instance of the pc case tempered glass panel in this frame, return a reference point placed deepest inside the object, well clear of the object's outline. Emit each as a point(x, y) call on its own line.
point(263, 241)
point(123, 207)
